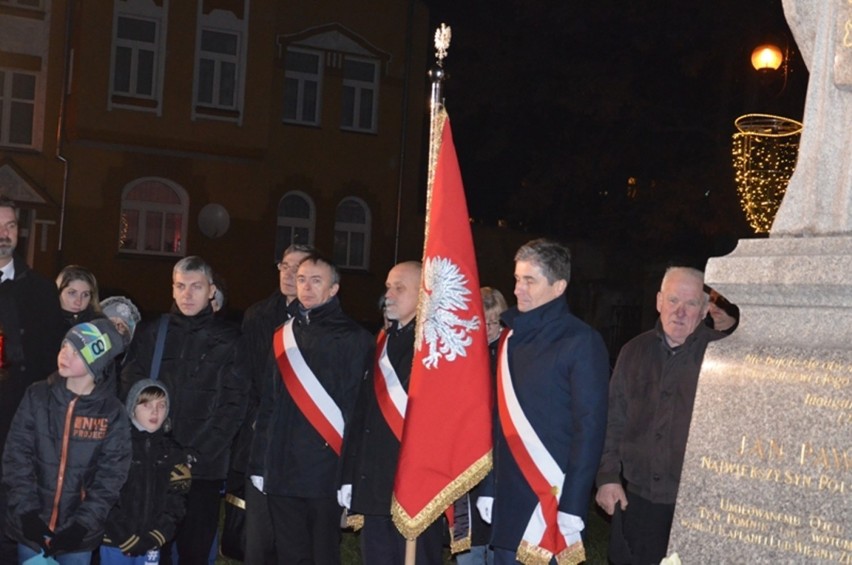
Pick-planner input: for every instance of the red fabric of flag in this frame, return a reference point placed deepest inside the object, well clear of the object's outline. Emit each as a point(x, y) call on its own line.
point(446, 442)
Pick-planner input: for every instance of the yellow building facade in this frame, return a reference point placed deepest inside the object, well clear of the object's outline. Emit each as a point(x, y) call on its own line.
point(136, 132)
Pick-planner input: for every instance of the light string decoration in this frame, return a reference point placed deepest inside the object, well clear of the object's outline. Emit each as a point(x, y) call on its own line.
point(764, 150)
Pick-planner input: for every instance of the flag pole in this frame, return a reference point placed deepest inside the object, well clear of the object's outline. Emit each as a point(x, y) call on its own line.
point(437, 75)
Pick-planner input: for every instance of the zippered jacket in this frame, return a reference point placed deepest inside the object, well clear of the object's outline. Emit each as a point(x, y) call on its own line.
point(201, 368)
point(153, 500)
point(67, 457)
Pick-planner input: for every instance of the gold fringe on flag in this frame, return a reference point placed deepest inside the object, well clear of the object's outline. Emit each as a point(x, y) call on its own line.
point(413, 526)
point(530, 554)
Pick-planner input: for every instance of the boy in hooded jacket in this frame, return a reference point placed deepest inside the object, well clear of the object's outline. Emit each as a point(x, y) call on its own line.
point(153, 500)
point(68, 451)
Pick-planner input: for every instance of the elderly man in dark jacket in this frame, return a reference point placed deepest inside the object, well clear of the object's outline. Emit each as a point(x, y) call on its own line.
point(552, 382)
point(650, 408)
point(320, 358)
point(201, 367)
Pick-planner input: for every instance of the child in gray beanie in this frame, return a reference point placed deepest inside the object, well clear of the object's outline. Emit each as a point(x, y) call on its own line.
point(153, 500)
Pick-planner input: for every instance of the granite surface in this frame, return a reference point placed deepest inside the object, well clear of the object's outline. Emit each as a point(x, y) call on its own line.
point(768, 471)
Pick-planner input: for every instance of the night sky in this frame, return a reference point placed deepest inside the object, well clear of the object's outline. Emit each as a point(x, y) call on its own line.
point(611, 120)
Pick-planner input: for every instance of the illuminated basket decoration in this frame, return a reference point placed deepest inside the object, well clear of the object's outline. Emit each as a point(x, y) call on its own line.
point(765, 148)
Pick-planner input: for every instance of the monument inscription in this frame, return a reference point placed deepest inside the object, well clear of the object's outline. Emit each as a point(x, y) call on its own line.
point(768, 469)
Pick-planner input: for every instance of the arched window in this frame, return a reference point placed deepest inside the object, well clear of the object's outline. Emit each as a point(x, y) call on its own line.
point(296, 218)
point(153, 218)
point(352, 234)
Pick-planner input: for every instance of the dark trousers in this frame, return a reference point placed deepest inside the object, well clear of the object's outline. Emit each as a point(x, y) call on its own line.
point(306, 530)
point(8, 546)
point(196, 532)
point(260, 542)
point(382, 544)
point(646, 526)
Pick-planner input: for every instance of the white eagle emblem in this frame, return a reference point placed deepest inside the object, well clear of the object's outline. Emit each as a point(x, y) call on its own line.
point(445, 292)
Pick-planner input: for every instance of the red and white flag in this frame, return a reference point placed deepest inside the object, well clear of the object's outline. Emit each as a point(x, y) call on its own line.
point(446, 441)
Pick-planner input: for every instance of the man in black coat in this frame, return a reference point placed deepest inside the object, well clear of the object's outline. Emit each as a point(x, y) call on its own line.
point(372, 449)
point(259, 324)
point(201, 367)
point(32, 326)
point(321, 357)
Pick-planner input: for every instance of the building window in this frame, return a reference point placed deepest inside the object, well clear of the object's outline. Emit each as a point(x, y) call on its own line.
point(153, 218)
point(352, 234)
point(302, 86)
point(296, 219)
point(138, 54)
point(17, 107)
point(31, 4)
point(360, 94)
point(134, 71)
point(217, 69)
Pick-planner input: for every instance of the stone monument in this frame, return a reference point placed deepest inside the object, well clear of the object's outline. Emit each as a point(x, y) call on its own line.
point(767, 476)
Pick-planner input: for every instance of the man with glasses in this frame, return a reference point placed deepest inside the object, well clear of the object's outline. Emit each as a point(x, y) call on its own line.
point(259, 324)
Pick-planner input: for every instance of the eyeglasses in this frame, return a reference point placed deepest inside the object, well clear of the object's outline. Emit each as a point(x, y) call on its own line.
point(286, 267)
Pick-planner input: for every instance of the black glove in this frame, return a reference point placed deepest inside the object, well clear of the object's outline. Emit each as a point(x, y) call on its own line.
point(144, 543)
point(68, 540)
point(34, 528)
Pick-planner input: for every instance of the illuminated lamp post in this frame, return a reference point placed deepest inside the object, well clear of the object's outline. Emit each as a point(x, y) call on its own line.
point(769, 61)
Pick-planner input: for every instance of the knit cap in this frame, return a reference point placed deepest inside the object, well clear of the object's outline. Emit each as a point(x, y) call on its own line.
point(136, 390)
point(122, 308)
point(98, 343)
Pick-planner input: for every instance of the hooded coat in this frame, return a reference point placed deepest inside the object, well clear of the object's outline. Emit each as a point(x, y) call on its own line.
point(153, 500)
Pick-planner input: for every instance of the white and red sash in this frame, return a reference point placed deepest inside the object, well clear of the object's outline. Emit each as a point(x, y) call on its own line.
point(390, 394)
point(542, 539)
point(308, 393)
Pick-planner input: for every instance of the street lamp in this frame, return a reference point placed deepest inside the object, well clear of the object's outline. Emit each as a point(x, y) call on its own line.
point(767, 57)
point(769, 61)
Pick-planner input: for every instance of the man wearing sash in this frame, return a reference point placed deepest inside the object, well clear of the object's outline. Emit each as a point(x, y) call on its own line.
point(320, 358)
point(650, 407)
point(373, 447)
point(552, 380)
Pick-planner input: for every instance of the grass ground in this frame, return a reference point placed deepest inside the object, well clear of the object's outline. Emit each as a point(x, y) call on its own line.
point(597, 537)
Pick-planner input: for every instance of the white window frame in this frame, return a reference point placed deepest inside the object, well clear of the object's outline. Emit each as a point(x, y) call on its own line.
point(218, 59)
point(360, 86)
point(292, 223)
point(161, 209)
point(20, 4)
point(7, 101)
point(143, 10)
point(349, 229)
point(221, 21)
point(302, 78)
